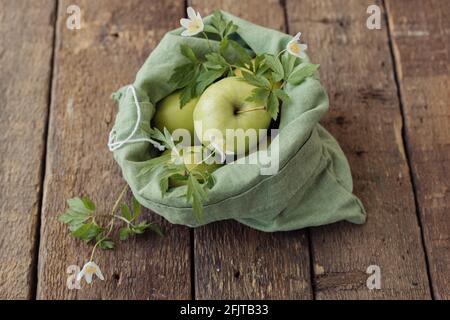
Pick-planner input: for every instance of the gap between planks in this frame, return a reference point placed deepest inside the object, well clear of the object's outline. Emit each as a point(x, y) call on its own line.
point(34, 274)
point(406, 145)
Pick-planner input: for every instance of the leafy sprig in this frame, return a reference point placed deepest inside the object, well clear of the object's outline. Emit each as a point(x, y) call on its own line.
point(83, 221)
point(305, 70)
point(194, 76)
point(220, 26)
point(271, 75)
point(164, 137)
point(133, 227)
point(169, 168)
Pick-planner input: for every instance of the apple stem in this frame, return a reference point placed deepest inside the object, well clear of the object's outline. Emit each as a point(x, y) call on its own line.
point(252, 109)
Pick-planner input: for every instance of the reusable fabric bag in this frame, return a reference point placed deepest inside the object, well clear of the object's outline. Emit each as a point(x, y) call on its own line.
point(313, 185)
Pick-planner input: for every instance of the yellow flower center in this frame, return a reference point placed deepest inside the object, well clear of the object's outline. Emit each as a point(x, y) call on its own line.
point(91, 269)
point(193, 26)
point(295, 48)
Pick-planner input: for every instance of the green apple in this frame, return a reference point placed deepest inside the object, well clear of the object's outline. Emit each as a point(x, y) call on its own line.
point(224, 106)
point(193, 159)
point(171, 116)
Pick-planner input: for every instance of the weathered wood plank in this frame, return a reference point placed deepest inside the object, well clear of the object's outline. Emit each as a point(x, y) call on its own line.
point(233, 261)
point(421, 38)
point(26, 42)
point(357, 70)
point(115, 39)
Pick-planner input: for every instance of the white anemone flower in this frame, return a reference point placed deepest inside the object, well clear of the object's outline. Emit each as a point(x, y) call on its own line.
point(88, 271)
point(194, 25)
point(296, 48)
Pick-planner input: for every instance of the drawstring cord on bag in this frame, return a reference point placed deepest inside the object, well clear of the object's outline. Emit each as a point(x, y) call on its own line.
point(114, 145)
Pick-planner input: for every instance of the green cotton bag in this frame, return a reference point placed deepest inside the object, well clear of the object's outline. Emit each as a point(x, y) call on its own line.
point(313, 185)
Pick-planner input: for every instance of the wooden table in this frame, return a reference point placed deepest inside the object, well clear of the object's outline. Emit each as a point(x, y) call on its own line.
point(390, 111)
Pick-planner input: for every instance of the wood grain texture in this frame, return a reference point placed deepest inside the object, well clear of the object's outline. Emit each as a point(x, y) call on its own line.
point(26, 42)
point(421, 39)
point(365, 117)
point(231, 260)
point(115, 39)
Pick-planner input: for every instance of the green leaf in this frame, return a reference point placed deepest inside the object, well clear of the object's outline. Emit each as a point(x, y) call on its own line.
point(196, 195)
point(106, 244)
point(188, 53)
point(153, 164)
point(223, 28)
point(125, 212)
point(70, 216)
point(223, 45)
point(260, 68)
point(78, 205)
point(258, 81)
point(137, 209)
point(305, 71)
point(244, 58)
point(179, 177)
point(88, 204)
point(165, 138)
point(210, 75)
point(183, 75)
point(288, 62)
point(167, 173)
point(214, 60)
point(210, 181)
point(276, 77)
point(156, 229)
point(276, 67)
point(230, 29)
point(124, 233)
point(168, 139)
point(187, 94)
point(218, 22)
point(259, 95)
point(210, 29)
point(75, 226)
point(79, 211)
point(282, 95)
point(263, 70)
point(207, 78)
point(164, 185)
point(144, 225)
point(197, 208)
point(87, 232)
point(140, 228)
point(258, 62)
point(273, 106)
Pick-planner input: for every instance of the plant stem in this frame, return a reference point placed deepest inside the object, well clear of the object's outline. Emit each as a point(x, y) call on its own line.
point(207, 39)
point(242, 68)
point(122, 218)
point(281, 52)
point(252, 109)
point(111, 223)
